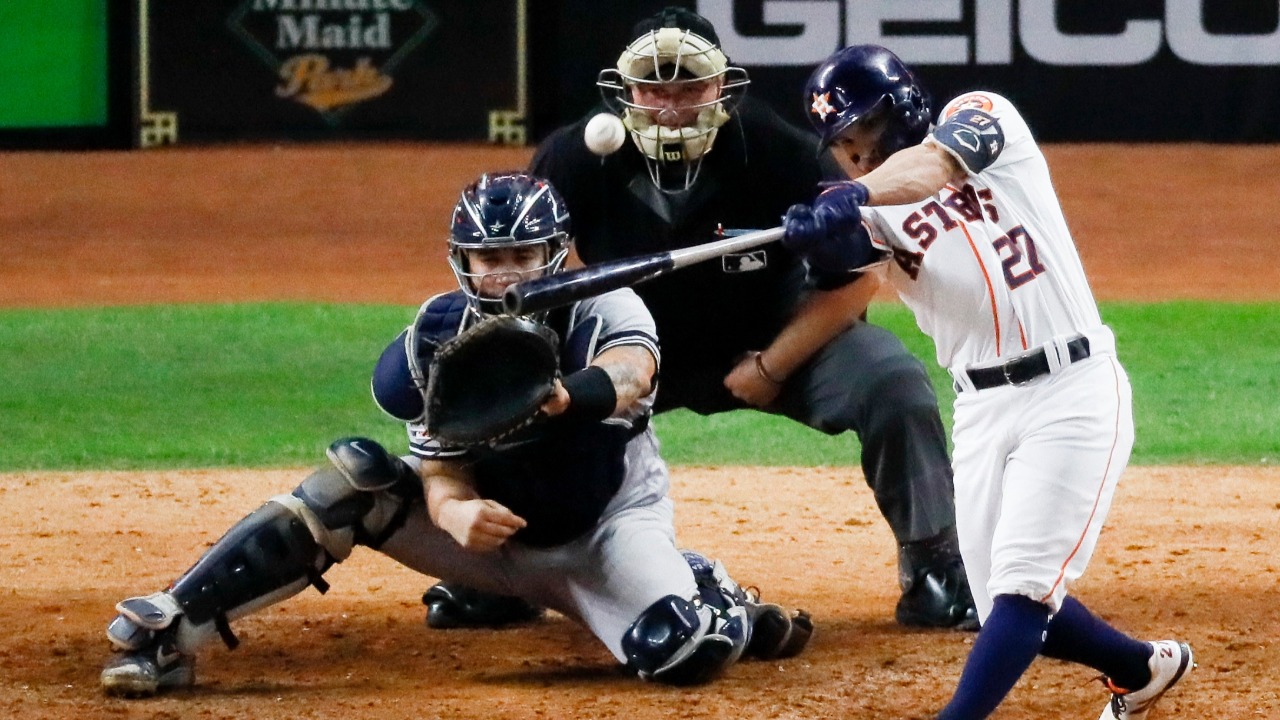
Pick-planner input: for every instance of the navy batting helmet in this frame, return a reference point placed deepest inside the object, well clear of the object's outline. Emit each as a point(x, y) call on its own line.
point(507, 209)
point(863, 82)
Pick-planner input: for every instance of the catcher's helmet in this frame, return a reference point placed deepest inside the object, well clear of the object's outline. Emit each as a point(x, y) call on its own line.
point(507, 209)
point(674, 49)
point(867, 82)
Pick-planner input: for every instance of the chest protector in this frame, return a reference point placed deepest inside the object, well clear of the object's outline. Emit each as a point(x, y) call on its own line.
point(558, 474)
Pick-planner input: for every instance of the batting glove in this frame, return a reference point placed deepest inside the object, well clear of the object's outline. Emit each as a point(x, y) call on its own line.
point(830, 235)
point(802, 229)
point(839, 207)
point(835, 213)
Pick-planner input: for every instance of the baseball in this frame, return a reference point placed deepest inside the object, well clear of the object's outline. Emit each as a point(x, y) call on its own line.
point(604, 134)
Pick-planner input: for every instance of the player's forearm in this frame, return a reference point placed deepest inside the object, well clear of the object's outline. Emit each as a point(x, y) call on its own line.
point(821, 317)
point(911, 175)
point(445, 484)
point(631, 368)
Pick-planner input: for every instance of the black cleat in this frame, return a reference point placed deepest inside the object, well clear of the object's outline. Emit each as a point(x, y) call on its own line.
point(777, 632)
point(450, 605)
point(938, 598)
point(935, 588)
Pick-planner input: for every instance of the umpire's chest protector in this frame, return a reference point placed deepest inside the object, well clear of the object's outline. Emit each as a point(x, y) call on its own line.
point(707, 315)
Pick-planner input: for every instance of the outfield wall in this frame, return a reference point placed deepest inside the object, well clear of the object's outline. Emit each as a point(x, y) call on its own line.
point(65, 73)
point(154, 72)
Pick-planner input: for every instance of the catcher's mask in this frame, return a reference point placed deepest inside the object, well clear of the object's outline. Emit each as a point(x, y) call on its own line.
point(506, 210)
point(673, 87)
point(867, 84)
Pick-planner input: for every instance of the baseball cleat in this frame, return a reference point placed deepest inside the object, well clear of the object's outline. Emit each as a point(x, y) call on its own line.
point(935, 586)
point(1169, 662)
point(939, 598)
point(775, 631)
point(450, 605)
point(148, 671)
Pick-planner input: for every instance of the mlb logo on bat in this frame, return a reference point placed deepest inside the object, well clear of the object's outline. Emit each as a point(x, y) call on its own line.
point(745, 262)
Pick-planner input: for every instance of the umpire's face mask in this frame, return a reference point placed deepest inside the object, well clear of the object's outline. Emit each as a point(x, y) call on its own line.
point(673, 90)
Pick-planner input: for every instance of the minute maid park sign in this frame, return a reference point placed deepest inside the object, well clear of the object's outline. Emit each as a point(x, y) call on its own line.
point(332, 54)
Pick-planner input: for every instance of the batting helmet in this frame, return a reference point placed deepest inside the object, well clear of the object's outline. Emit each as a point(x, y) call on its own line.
point(867, 82)
point(676, 52)
point(507, 209)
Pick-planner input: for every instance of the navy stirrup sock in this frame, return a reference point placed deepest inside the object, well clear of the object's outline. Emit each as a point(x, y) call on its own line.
point(1009, 640)
point(1079, 636)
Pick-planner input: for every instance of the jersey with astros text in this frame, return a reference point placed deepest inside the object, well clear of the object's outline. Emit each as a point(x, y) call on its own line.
point(988, 265)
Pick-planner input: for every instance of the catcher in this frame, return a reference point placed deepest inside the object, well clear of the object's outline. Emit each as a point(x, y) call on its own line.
point(533, 473)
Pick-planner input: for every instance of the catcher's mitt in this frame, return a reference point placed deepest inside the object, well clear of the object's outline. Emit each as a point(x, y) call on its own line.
point(489, 381)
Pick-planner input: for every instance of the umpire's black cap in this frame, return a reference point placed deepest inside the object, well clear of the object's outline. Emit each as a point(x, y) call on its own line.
point(677, 17)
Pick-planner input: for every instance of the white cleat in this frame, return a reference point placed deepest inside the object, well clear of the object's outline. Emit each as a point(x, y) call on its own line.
point(1170, 661)
point(147, 672)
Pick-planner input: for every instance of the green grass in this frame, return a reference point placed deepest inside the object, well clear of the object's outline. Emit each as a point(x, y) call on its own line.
point(272, 384)
point(184, 386)
point(1206, 388)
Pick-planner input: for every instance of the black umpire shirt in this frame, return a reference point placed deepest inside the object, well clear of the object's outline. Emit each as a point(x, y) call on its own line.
point(708, 314)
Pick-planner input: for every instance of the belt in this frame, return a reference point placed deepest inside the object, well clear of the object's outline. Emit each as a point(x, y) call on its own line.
point(1024, 368)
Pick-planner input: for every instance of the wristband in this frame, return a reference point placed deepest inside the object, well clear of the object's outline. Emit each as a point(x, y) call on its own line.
point(765, 373)
point(860, 193)
point(591, 394)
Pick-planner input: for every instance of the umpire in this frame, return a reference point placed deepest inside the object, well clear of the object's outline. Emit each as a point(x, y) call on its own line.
point(757, 329)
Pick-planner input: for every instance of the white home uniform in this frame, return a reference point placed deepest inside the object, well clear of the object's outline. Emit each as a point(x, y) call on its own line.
point(1043, 420)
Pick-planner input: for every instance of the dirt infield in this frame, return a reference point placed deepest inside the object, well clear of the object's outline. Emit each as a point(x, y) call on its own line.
point(1187, 551)
point(346, 223)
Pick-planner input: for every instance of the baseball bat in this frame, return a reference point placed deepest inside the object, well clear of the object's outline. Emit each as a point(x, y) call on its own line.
point(567, 287)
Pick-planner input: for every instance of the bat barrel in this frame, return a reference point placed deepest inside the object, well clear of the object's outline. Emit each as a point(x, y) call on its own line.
point(544, 293)
point(565, 288)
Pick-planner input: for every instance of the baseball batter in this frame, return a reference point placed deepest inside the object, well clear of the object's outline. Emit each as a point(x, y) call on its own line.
point(758, 329)
point(572, 513)
point(966, 216)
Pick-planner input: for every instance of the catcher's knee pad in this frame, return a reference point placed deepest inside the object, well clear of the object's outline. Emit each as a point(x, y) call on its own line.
point(684, 642)
point(715, 587)
point(362, 498)
point(365, 464)
point(771, 630)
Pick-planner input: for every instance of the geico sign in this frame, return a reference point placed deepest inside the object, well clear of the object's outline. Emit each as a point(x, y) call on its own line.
point(991, 40)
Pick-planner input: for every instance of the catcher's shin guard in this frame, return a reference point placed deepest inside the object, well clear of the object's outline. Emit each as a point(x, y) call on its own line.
point(266, 557)
point(270, 555)
point(289, 542)
point(684, 642)
point(774, 632)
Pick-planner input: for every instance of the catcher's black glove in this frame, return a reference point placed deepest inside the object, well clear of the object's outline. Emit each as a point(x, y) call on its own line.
point(489, 381)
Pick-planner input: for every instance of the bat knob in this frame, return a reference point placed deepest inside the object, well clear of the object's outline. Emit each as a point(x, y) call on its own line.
point(513, 300)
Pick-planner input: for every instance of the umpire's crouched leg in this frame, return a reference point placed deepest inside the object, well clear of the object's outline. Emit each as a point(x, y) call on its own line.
point(866, 381)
